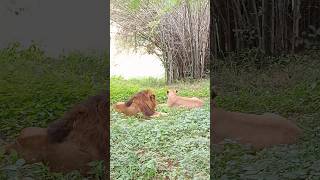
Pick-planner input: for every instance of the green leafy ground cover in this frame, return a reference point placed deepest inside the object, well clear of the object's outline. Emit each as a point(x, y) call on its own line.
point(175, 146)
point(291, 89)
point(35, 90)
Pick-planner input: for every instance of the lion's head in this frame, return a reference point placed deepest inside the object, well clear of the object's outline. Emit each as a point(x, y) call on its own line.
point(85, 123)
point(144, 102)
point(172, 92)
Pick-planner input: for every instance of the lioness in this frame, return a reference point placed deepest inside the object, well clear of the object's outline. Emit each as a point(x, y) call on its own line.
point(260, 131)
point(175, 100)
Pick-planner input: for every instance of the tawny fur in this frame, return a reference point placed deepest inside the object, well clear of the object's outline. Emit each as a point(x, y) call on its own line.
point(70, 143)
point(127, 110)
point(144, 102)
point(178, 101)
point(259, 131)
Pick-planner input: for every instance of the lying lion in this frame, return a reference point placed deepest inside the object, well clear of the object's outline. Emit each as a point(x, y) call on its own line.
point(260, 131)
point(178, 101)
point(70, 143)
point(143, 102)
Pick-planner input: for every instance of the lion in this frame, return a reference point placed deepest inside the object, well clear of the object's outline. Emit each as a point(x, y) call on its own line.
point(259, 131)
point(71, 142)
point(178, 101)
point(144, 102)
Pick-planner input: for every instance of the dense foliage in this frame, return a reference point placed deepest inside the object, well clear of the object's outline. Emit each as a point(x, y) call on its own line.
point(177, 31)
point(272, 27)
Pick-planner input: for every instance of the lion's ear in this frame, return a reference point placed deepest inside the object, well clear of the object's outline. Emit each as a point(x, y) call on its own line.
point(168, 92)
point(176, 91)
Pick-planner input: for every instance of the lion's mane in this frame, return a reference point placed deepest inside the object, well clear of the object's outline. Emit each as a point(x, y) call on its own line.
point(144, 102)
point(85, 124)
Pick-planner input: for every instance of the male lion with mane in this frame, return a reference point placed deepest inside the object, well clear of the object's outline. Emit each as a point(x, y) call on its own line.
point(259, 131)
point(144, 102)
point(71, 142)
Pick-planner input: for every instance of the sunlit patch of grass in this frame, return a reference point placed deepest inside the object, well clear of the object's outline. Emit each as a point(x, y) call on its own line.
point(122, 89)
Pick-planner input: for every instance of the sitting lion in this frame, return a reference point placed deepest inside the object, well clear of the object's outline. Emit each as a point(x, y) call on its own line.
point(259, 131)
point(177, 101)
point(71, 142)
point(144, 102)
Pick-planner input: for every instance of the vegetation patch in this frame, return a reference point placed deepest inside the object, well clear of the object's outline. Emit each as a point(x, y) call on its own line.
point(171, 146)
point(36, 90)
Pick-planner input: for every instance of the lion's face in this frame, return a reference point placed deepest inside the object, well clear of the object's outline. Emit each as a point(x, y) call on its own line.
point(172, 93)
point(151, 100)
